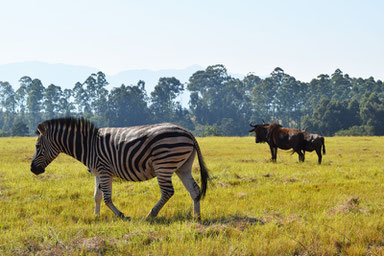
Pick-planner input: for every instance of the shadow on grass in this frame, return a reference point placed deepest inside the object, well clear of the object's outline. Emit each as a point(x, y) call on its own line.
point(224, 220)
point(231, 220)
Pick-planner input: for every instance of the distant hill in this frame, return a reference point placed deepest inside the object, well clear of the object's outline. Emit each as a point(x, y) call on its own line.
point(151, 77)
point(66, 76)
point(62, 75)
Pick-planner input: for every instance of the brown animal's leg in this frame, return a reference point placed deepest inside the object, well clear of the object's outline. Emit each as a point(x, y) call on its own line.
point(301, 156)
point(318, 151)
point(274, 154)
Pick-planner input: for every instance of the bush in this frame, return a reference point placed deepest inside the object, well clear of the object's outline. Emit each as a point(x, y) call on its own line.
point(363, 130)
point(4, 133)
point(207, 130)
point(19, 128)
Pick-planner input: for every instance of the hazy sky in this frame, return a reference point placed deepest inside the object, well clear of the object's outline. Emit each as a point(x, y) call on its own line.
point(305, 38)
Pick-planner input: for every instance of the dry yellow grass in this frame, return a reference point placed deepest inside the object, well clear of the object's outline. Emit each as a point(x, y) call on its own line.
point(253, 206)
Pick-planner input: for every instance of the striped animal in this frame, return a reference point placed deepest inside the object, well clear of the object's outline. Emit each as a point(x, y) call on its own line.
point(131, 153)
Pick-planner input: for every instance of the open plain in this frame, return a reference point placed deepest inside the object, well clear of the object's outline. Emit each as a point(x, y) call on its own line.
point(252, 207)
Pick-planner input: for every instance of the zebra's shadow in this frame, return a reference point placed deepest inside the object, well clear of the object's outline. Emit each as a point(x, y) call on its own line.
point(232, 220)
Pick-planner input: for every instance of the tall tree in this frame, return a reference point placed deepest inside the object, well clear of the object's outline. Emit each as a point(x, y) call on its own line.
point(206, 99)
point(100, 97)
point(35, 92)
point(82, 100)
point(163, 98)
point(52, 96)
point(250, 82)
point(66, 105)
point(341, 85)
point(21, 94)
point(127, 106)
point(7, 105)
point(372, 112)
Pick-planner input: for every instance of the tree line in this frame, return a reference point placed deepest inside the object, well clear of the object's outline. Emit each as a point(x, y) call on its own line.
point(219, 105)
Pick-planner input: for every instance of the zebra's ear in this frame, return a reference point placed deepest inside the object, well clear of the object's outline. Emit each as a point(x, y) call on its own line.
point(41, 128)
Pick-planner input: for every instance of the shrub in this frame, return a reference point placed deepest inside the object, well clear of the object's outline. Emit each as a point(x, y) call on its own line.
point(363, 130)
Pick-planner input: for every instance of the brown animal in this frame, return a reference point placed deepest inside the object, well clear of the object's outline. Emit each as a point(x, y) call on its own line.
point(278, 137)
point(314, 142)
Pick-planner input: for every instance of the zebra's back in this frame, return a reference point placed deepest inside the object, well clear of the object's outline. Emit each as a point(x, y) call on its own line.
point(134, 153)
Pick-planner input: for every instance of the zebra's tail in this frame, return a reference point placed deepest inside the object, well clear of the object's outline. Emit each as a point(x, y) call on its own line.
point(203, 170)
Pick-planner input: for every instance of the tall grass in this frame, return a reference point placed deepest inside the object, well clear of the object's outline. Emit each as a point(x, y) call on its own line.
point(252, 207)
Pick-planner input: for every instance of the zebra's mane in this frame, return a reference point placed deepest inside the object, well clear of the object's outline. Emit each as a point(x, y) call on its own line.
point(73, 122)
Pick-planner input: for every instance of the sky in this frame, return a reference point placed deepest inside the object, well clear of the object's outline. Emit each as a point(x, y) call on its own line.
point(305, 38)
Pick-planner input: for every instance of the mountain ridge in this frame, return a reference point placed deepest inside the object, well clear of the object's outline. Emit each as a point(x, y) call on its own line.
point(66, 75)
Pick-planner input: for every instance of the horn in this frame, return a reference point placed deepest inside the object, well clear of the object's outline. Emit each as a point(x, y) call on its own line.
point(252, 125)
point(263, 121)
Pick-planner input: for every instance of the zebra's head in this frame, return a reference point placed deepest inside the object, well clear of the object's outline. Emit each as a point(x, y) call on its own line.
point(44, 153)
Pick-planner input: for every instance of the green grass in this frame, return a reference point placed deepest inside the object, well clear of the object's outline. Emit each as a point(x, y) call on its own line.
point(252, 207)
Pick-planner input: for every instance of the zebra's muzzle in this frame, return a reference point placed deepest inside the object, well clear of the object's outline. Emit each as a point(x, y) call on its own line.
point(37, 169)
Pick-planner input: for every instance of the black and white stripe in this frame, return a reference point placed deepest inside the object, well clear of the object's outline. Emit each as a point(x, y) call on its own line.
point(131, 153)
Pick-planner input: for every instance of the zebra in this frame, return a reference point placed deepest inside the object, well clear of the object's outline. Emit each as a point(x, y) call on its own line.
point(135, 153)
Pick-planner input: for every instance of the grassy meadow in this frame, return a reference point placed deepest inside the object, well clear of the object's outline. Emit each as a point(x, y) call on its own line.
point(252, 207)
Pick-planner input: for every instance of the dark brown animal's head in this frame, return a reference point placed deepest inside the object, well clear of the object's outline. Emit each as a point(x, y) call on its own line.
point(261, 131)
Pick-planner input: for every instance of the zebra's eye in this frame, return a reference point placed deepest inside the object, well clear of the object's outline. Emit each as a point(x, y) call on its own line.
point(38, 147)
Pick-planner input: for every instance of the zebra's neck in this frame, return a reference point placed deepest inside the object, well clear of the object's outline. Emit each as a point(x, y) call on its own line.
point(77, 141)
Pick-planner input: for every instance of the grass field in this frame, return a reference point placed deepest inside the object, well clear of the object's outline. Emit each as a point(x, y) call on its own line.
point(252, 207)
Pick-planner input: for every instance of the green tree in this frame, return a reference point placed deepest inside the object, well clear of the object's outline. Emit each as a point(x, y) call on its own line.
point(205, 86)
point(289, 98)
point(250, 82)
point(7, 105)
point(66, 106)
point(21, 94)
point(127, 106)
point(35, 92)
point(52, 96)
point(163, 98)
point(82, 99)
point(19, 128)
point(99, 99)
point(372, 112)
point(330, 116)
point(341, 85)
point(218, 99)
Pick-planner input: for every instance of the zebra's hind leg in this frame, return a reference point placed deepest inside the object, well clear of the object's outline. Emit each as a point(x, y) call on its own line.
point(185, 175)
point(164, 178)
point(98, 195)
point(106, 188)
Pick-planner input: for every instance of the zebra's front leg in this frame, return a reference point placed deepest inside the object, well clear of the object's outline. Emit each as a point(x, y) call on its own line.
point(106, 188)
point(98, 195)
point(164, 179)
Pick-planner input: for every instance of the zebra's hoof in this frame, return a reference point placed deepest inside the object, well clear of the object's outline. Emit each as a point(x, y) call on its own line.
point(126, 218)
point(150, 216)
point(123, 217)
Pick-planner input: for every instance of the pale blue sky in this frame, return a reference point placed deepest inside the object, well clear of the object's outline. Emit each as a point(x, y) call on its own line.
point(305, 38)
